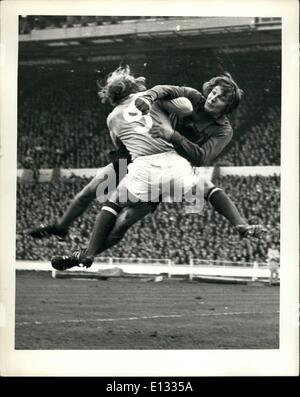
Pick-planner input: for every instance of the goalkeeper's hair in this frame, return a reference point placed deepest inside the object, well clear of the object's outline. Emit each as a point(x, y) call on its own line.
point(230, 88)
point(119, 84)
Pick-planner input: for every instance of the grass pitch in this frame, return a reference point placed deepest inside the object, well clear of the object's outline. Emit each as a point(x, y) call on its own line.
point(120, 313)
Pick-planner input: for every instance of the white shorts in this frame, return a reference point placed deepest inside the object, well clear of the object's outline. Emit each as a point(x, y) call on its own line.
point(162, 177)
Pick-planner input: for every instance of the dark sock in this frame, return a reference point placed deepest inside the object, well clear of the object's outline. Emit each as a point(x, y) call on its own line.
point(103, 226)
point(224, 206)
point(127, 218)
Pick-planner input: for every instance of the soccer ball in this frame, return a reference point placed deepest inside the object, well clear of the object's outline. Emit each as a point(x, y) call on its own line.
point(180, 106)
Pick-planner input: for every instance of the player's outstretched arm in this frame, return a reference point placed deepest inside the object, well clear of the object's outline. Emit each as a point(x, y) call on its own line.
point(197, 155)
point(201, 155)
point(167, 92)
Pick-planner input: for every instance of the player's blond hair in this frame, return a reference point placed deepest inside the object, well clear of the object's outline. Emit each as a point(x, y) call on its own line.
point(119, 84)
point(230, 88)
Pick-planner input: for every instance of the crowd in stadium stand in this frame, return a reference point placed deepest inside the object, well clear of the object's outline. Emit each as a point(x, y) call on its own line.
point(259, 146)
point(173, 231)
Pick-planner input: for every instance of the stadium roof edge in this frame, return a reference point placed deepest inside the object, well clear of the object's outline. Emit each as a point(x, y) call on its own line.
point(178, 25)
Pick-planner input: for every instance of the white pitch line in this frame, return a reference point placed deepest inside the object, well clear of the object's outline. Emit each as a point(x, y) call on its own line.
point(135, 318)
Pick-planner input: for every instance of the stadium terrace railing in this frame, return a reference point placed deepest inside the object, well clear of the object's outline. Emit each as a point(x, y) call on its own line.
point(197, 268)
point(210, 262)
point(46, 175)
point(134, 261)
point(223, 269)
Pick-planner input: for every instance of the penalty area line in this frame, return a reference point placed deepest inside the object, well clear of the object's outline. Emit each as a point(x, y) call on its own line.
point(137, 318)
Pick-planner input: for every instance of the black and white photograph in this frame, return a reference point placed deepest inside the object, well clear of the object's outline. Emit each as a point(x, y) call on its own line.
point(150, 187)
